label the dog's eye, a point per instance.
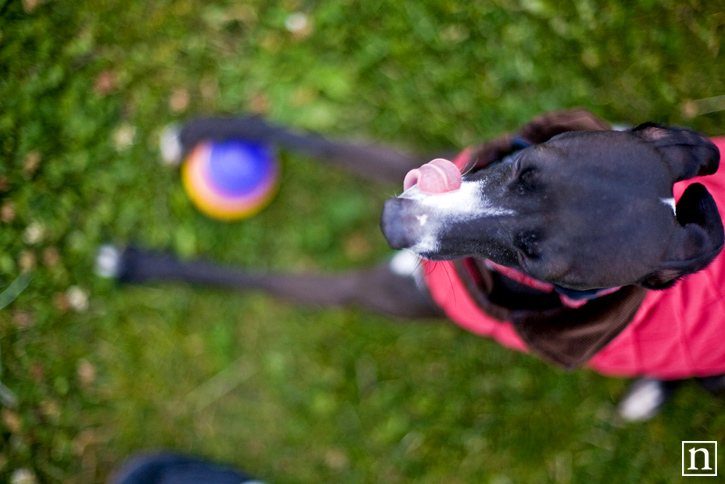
(525, 178)
(528, 243)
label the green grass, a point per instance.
(299, 394)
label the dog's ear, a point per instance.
(539, 130)
(698, 240)
(689, 154)
(544, 127)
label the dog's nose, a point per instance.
(437, 176)
(395, 225)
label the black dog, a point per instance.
(543, 212)
(550, 239)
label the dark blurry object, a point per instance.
(171, 468)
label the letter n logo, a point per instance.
(699, 458)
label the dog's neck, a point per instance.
(568, 297)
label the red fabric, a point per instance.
(676, 333)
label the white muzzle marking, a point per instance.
(438, 211)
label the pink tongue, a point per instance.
(437, 176)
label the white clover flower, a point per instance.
(77, 298)
(34, 233)
(23, 476)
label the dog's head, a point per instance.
(583, 210)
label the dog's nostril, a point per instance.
(437, 176)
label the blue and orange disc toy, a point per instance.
(231, 179)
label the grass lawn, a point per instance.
(304, 395)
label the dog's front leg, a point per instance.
(381, 289)
(371, 161)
